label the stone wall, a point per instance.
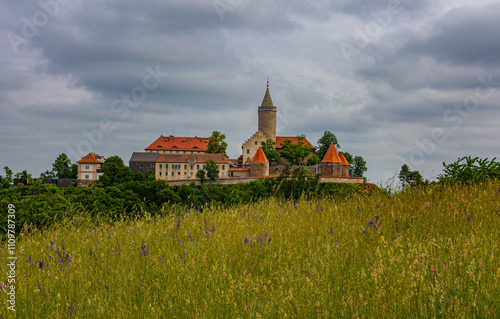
(343, 179)
(277, 169)
(331, 169)
(259, 169)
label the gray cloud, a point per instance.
(382, 104)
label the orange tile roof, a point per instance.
(280, 139)
(260, 157)
(331, 155)
(200, 158)
(92, 158)
(343, 159)
(173, 143)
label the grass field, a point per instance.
(422, 253)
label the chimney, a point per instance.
(189, 139)
(170, 138)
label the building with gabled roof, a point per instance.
(185, 166)
(143, 162)
(178, 145)
(89, 167)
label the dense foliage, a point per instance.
(470, 170)
(130, 195)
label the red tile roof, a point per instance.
(331, 155)
(173, 143)
(260, 157)
(199, 158)
(343, 159)
(280, 139)
(92, 158)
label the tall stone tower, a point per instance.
(267, 116)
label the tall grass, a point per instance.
(424, 252)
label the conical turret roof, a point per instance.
(267, 102)
(343, 159)
(260, 157)
(331, 155)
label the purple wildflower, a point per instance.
(40, 287)
(213, 228)
(40, 264)
(30, 260)
(246, 240)
(359, 209)
(269, 240)
(296, 207)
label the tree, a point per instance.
(313, 159)
(7, 180)
(212, 170)
(48, 174)
(63, 168)
(149, 176)
(409, 178)
(358, 166)
(324, 143)
(470, 170)
(216, 143)
(294, 153)
(25, 177)
(269, 148)
(200, 174)
(111, 170)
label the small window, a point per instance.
(203, 166)
(197, 166)
(177, 152)
(87, 167)
(140, 166)
(255, 142)
(160, 173)
(185, 167)
(223, 166)
(166, 166)
(160, 168)
(87, 177)
(248, 151)
(191, 166)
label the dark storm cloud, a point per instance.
(464, 36)
(393, 92)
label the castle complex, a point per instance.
(178, 159)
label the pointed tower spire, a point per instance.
(331, 155)
(267, 102)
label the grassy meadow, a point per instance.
(422, 253)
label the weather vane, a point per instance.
(268, 83)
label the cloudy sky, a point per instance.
(406, 81)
